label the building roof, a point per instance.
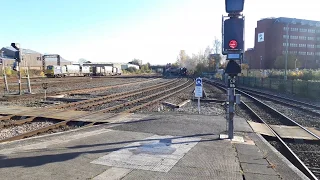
(295, 21)
(24, 51)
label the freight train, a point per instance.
(78, 70)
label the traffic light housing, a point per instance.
(17, 56)
(234, 6)
(233, 34)
(17, 53)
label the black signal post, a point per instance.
(18, 58)
(233, 47)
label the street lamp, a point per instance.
(287, 44)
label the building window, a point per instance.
(310, 38)
(310, 53)
(294, 37)
(302, 45)
(293, 52)
(284, 52)
(317, 46)
(303, 30)
(293, 45)
(302, 37)
(317, 53)
(285, 44)
(294, 29)
(285, 36)
(311, 31)
(285, 28)
(310, 45)
(302, 53)
(318, 31)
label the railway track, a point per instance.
(165, 90)
(75, 91)
(311, 108)
(306, 161)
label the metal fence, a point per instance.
(301, 88)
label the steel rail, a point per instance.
(273, 98)
(115, 97)
(291, 155)
(281, 97)
(64, 123)
(118, 96)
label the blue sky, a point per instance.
(120, 30)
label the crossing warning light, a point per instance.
(233, 44)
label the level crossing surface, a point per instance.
(147, 146)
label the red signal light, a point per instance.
(233, 44)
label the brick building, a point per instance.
(30, 58)
(271, 41)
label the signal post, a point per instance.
(18, 58)
(233, 47)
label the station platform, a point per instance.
(148, 146)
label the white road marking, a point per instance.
(113, 173)
(150, 154)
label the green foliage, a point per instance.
(8, 71)
(136, 62)
(291, 63)
(131, 69)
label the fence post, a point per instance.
(308, 87)
(269, 83)
(255, 80)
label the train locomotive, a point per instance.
(78, 70)
(176, 71)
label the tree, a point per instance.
(136, 62)
(216, 46)
(292, 62)
(244, 66)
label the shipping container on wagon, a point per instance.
(108, 70)
(85, 70)
(96, 71)
(73, 69)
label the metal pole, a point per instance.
(286, 60)
(260, 62)
(45, 95)
(28, 80)
(199, 105)
(231, 107)
(19, 69)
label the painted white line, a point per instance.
(113, 173)
(156, 153)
